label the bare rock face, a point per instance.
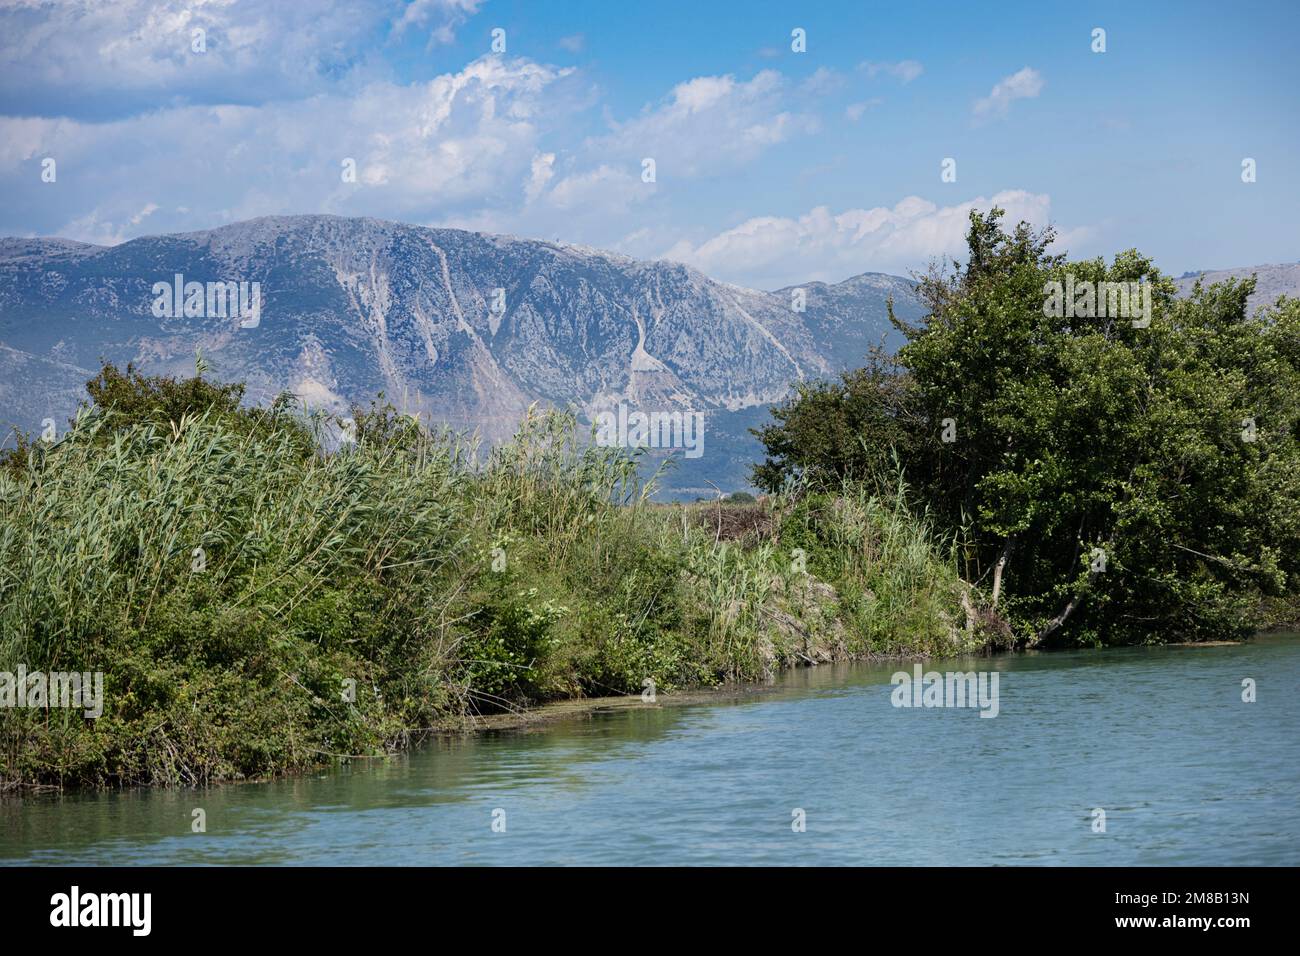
(465, 328)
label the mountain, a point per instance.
(833, 312)
(1271, 281)
(465, 328)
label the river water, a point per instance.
(1159, 739)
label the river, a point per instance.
(1159, 739)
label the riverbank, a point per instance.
(1187, 772)
(257, 606)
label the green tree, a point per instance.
(831, 431)
(1112, 480)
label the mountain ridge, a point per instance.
(463, 327)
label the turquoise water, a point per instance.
(1159, 738)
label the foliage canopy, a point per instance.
(1110, 481)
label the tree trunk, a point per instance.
(1055, 623)
(1000, 567)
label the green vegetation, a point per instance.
(262, 598)
(1107, 482)
(260, 604)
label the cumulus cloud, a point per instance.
(96, 60)
(708, 125)
(1023, 84)
(705, 126)
(441, 17)
(469, 137)
(602, 190)
(771, 251)
(489, 146)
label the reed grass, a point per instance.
(345, 602)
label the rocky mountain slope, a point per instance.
(465, 328)
(1271, 281)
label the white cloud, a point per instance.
(573, 44)
(1024, 84)
(148, 210)
(905, 71)
(708, 125)
(110, 58)
(705, 126)
(467, 138)
(543, 171)
(855, 111)
(441, 17)
(771, 251)
(823, 81)
(605, 189)
(490, 146)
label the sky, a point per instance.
(789, 142)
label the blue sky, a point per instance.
(771, 166)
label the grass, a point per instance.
(259, 605)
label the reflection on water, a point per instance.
(1160, 738)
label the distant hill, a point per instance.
(1271, 281)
